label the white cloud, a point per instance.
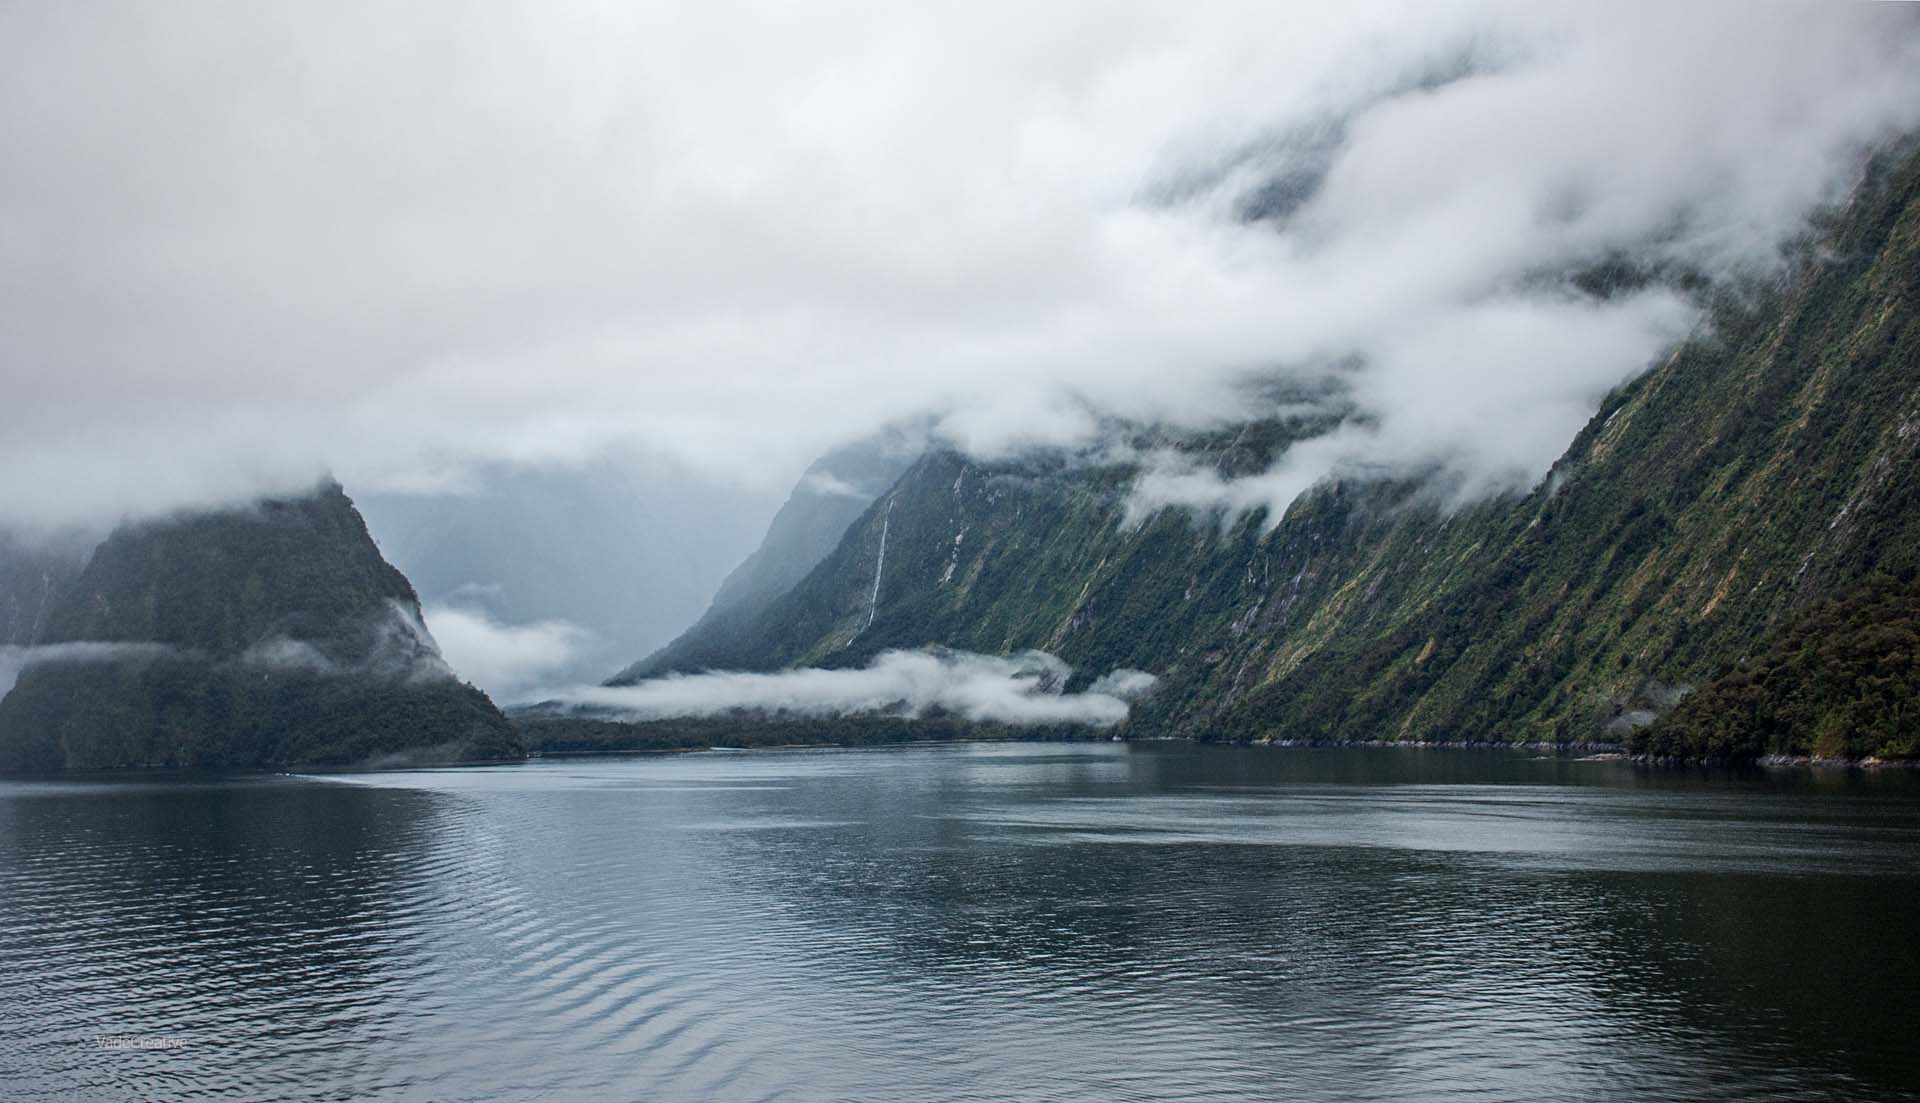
(1127, 685)
(1023, 689)
(829, 485)
(503, 659)
(285, 653)
(244, 243)
(398, 647)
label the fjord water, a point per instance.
(1039, 921)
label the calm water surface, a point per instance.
(1036, 922)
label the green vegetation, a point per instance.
(283, 638)
(171, 711)
(298, 568)
(1769, 464)
(1840, 680)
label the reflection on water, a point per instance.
(981, 922)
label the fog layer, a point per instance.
(1023, 689)
(240, 243)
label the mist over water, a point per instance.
(1022, 689)
(1032, 922)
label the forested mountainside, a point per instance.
(1841, 675)
(1764, 467)
(270, 634)
(830, 497)
(34, 575)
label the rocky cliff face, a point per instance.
(1764, 466)
(267, 635)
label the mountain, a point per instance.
(1840, 677)
(1766, 467)
(626, 550)
(830, 497)
(34, 574)
(267, 635)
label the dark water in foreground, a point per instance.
(1034, 921)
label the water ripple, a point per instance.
(1014, 922)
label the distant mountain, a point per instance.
(628, 551)
(830, 496)
(1767, 466)
(266, 635)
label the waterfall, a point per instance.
(880, 564)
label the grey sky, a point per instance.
(240, 243)
(530, 575)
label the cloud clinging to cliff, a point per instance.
(245, 242)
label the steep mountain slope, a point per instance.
(264, 635)
(1840, 676)
(829, 498)
(1765, 465)
(34, 575)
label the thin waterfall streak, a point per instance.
(880, 564)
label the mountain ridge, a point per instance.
(1764, 465)
(829, 497)
(269, 634)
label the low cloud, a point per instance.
(504, 659)
(833, 486)
(1125, 684)
(1024, 689)
(284, 653)
(13, 660)
(396, 646)
(411, 241)
(1538, 371)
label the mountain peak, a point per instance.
(261, 634)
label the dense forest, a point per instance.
(273, 634)
(1840, 680)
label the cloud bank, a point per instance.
(1024, 689)
(503, 659)
(395, 646)
(13, 659)
(244, 242)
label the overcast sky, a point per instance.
(241, 243)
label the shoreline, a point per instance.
(1581, 751)
(1591, 751)
(1600, 751)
